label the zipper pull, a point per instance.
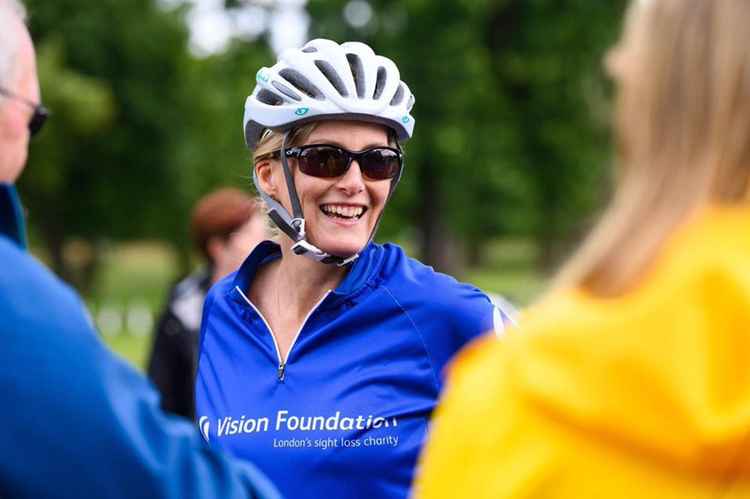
(282, 371)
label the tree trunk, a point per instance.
(438, 247)
(475, 255)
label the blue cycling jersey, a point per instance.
(346, 414)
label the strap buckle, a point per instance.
(298, 224)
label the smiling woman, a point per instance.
(342, 198)
(324, 324)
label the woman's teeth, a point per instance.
(342, 211)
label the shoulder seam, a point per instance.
(435, 377)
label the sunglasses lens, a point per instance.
(381, 164)
(324, 161)
(37, 120)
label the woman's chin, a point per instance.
(343, 249)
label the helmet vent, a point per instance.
(358, 72)
(411, 103)
(332, 76)
(309, 50)
(267, 97)
(379, 83)
(301, 83)
(286, 90)
(398, 96)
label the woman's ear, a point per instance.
(266, 178)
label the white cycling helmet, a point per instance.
(326, 80)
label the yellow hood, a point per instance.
(665, 368)
(646, 395)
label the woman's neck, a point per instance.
(300, 282)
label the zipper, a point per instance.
(281, 370)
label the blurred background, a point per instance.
(506, 171)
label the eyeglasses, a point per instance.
(39, 115)
(329, 161)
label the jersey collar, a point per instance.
(363, 268)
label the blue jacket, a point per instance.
(347, 413)
(77, 422)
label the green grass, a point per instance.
(139, 275)
(134, 277)
(510, 271)
(136, 272)
(134, 349)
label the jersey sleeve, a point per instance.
(505, 314)
(449, 315)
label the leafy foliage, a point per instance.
(140, 130)
(510, 139)
(507, 141)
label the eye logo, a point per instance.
(203, 425)
(405, 120)
(301, 111)
(261, 76)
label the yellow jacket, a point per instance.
(643, 396)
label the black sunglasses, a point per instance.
(329, 161)
(39, 115)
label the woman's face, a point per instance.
(340, 213)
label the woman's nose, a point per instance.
(352, 181)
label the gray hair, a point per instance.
(11, 11)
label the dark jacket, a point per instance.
(174, 355)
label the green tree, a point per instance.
(506, 141)
(141, 128)
(84, 106)
(547, 58)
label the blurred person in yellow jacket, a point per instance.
(631, 378)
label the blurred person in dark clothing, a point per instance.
(226, 225)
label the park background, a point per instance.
(508, 168)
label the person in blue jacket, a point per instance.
(322, 357)
(76, 421)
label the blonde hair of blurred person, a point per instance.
(630, 378)
(682, 128)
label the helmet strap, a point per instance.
(298, 220)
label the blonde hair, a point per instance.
(682, 127)
(270, 141)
